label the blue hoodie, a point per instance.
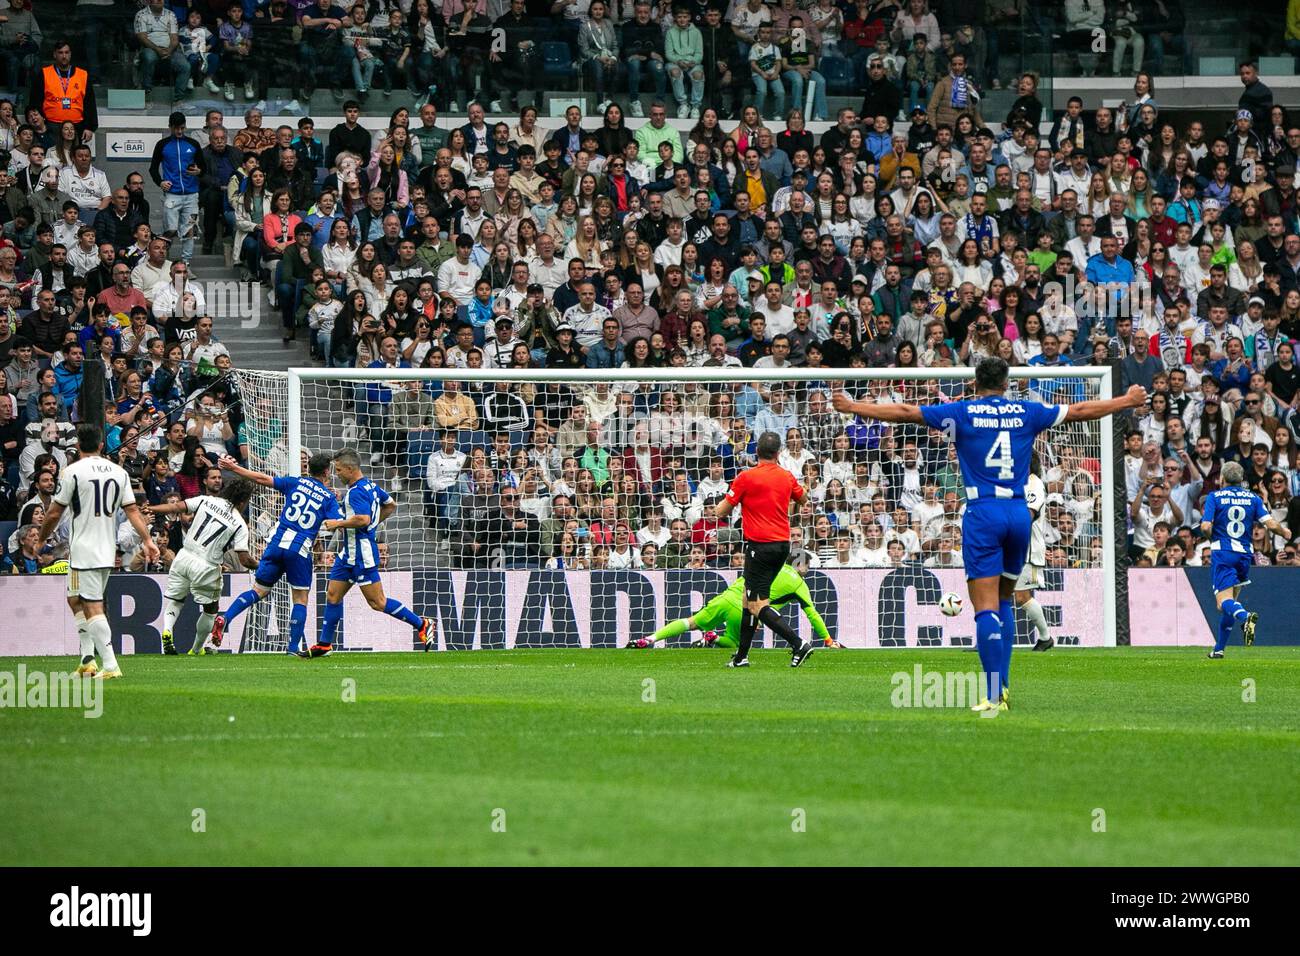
(67, 383)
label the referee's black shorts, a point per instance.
(763, 562)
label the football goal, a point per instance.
(548, 507)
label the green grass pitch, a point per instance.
(562, 757)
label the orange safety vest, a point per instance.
(64, 103)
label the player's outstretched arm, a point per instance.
(1272, 524)
(892, 412)
(1135, 397)
(134, 515)
(246, 560)
(226, 463)
(171, 508)
(818, 624)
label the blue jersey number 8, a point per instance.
(301, 511)
(1236, 522)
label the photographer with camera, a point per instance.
(209, 421)
(369, 337)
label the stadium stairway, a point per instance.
(243, 319)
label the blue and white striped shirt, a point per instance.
(364, 497)
(307, 503)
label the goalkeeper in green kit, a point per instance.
(719, 619)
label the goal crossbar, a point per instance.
(681, 375)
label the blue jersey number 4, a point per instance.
(999, 457)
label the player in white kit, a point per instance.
(95, 489)
(1031, 575)
(217, 527)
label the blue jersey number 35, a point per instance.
(301, 511)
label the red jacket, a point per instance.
(863, 33)
(631, 466)
(1164, 231)
(705, 534)
(673, 326)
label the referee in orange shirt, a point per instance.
(764, 493)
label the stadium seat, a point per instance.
(467, 440)
(557, 61)
(1276, 66)
(1218, 66)
(419, 446)
(839, 75)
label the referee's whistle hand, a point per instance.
(1137, 396)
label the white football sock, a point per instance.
(103, 638)
(87, 645)
(202, 628)
(1037, 619)
(171, 611)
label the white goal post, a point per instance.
(324, 411)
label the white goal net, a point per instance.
(574, 508)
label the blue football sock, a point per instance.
(988, 642)
(1008, 615)
(1225, 630)
(395, 608)
(332, 618)
(240, 604)
(1233, 608)
(297, 626)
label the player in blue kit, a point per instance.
(365, 507)
(1229, 517)
(309, 508)
(995, 439)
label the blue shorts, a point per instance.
(995, 538)
(1229, 569)
(353, 573)
(277, 562)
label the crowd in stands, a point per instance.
(86, 284)
(1167, 250)
(719, 51)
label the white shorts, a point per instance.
(89, 585)
(1031, 578)
(191, 575)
